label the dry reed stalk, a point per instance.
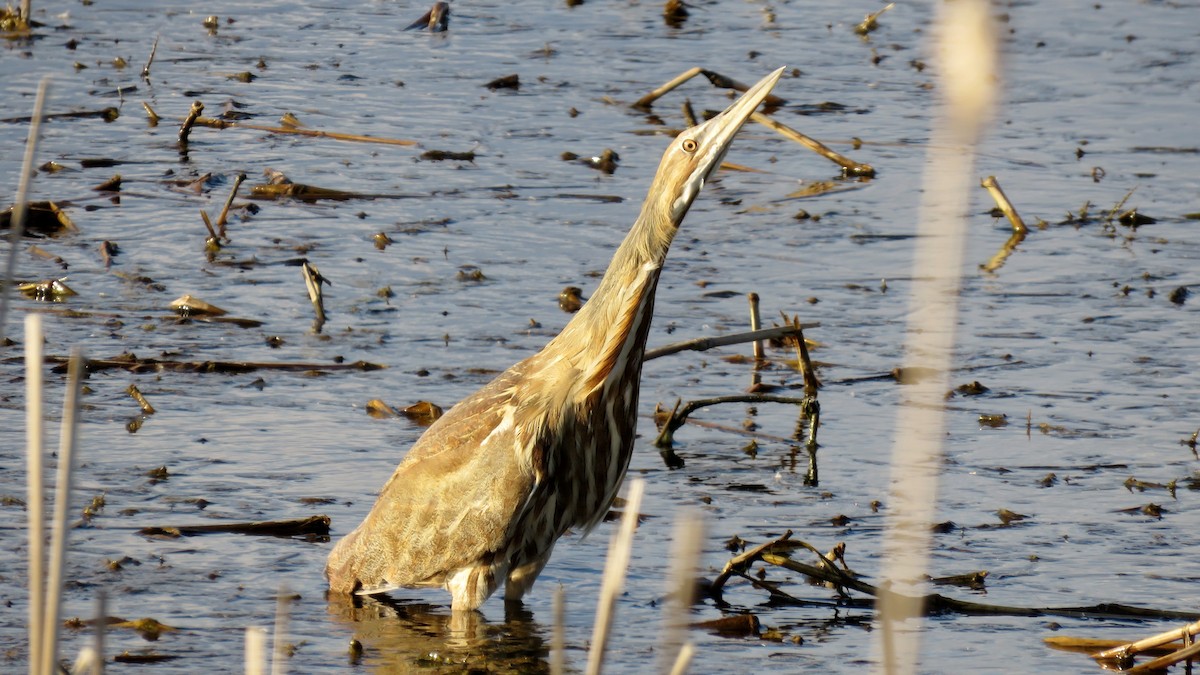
(615, 568)
(649, 99)
(756, 324)
(20, 206)
(279, 640)
(701, 344)
(684, 660)
(558, 641)
(62, 503)
(35, 498)
(1132, 648)
(256, 650)
(968, 55)
(850, 166)
(993, 187)
(314, 133)
(681, 585)
(224, 217)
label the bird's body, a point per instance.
(485, 493)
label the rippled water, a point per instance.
(1076, 332)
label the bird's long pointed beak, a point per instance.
(712, 139)
(726, 125)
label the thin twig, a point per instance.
(223, 218)
(756, 324)
(649, 99)
(614, 575)
(315, 133)
(62, 503)
(679, 416)
(35, 498)
(848, 165)
(1133, 648)
(149, 61)
(701, 344)
(188, 122)
(17, 225)
(993, 187)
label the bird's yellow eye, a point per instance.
(689, 145)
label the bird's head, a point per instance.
(697, 152)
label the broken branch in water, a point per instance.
(316, 133)
(649, 99)
(756, 324)
(149, 61)
(717, 80)
(993, 188)
(275, 528)
(134, 364)
(701, 344)
(224, 217)
(313, 281)
(680, 414)
(185, 129)
(775, 553)
(851, 167)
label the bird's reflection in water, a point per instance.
(401, 637)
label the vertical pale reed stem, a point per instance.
(17, 228)
(35, 499)
(62, 503)
(279, 642)
(256, 650)
(558, 640)
(614, 576)
(967, 65)
(685, 559)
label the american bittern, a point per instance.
(489, 488)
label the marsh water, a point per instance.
(1082, 337)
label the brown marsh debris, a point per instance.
(318, 525)
(134, 364)
(437, 19)
(507, 82)
(42, 219)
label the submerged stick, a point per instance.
(702, 344)
(1128, 650)
(993, 188)
(614, 575)
(313, 281)
(35, 498)
(223, 218)
(62, 502)
(649, 99)
(316, 133)
(188, 122)
(679, 415)
(20, 207)
(851, 167)
(755, 325)
(146, 68)
(720, 81)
